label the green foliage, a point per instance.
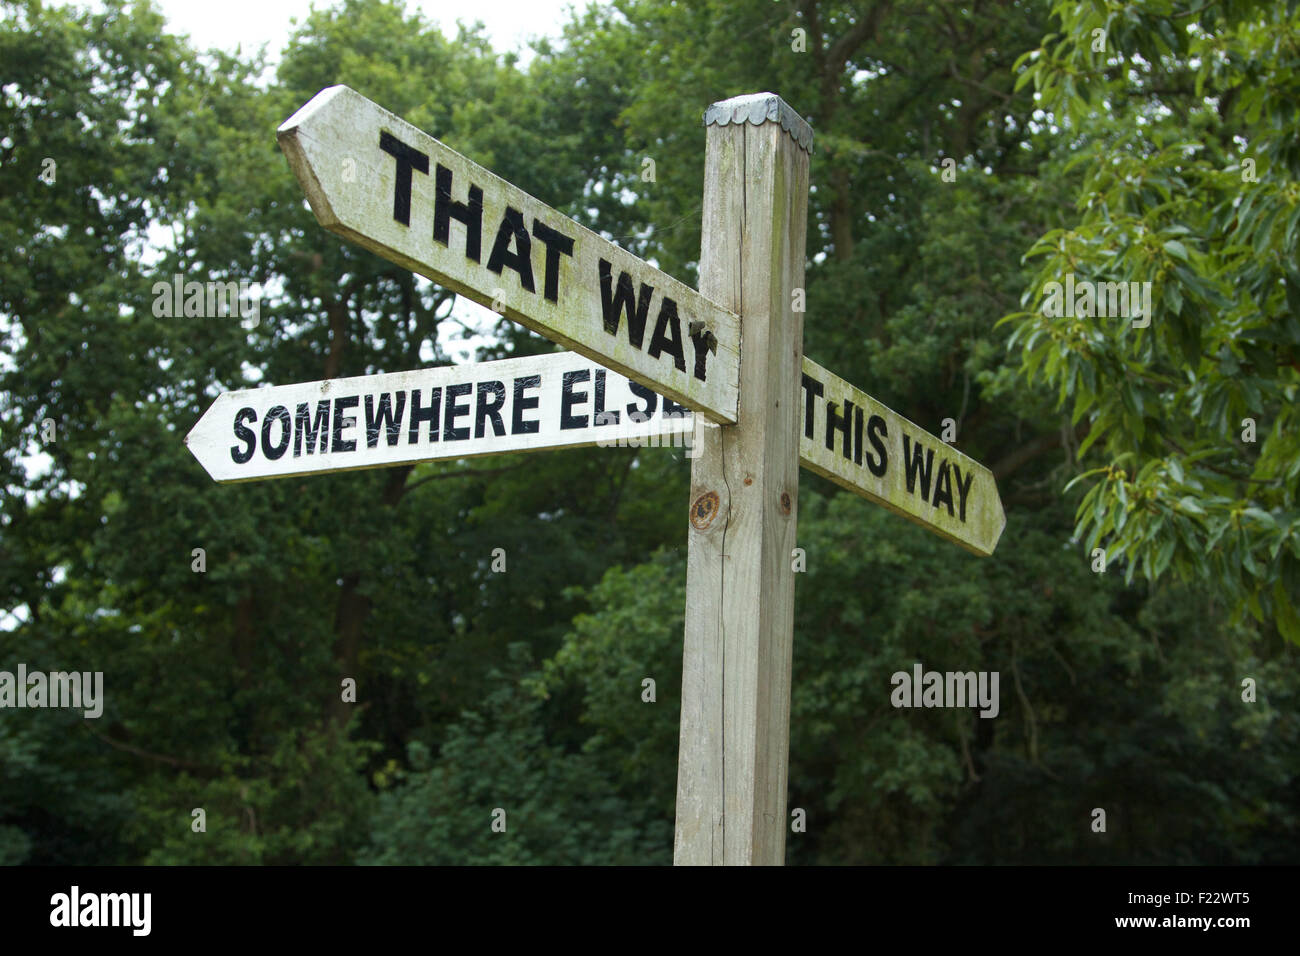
(559, 807)
(307, 804)
(634, 633)
(1180, 135)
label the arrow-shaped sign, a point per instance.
(858, 443)
(558, 400)
(375, 179)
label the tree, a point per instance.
(223, 685)
(1176, 122)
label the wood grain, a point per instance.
(734, 743)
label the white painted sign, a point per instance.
(375, 179)
(858, 443)
(558, 400)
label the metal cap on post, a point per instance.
(735, 719)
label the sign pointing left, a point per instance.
(375, 179)
(557, 400)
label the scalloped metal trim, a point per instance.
(759, 108)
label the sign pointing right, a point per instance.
(858, 443)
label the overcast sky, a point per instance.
(509, 24)
(229, 23)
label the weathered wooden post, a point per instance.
(735, 721)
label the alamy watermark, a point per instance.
(80, 691)
(210, 300)
(633, 431)
(948, 689)
(75, 909)
(1084, 299)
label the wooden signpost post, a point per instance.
(735, 723)
(380, 182)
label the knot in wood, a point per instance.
(703, 510)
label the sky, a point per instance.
(229, 23)
(509, 24)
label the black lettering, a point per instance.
(428, 414)
(673, 410)
(612, 303)
(408, 158)
(446, 209)
(492, 410)
(912, 462)
(557, 244)
(599, 415)
(843, 427)
(303, 425)
(672, 344)
(521, 404)
(651, 399)
(943, 487)
(244, 434)
(277, 414)
(876, 432)
(704, 342)
(962, 488)
(341, 405)
(521, 260)
(857, 436)
(569, 398)
(384, 419)
(811, 389)
(454, 411)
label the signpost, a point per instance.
(377, 180)
(558, 400)
(380, 182)
(858, 443)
